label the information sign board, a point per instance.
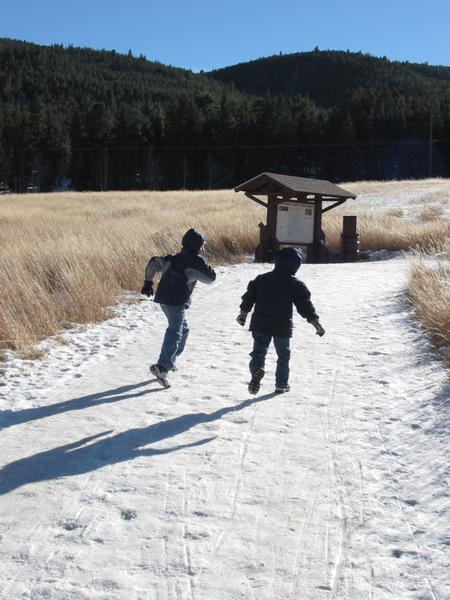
(295, 223)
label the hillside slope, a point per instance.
(99, 120)
(327, 76)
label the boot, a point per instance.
(254, 385)
(161, 375)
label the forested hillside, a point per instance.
(102, 120)
(328, 76)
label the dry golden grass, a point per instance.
(400, 186)
(428, 291)
(431, 213)
(385, 232)
(426, 230)
(394, 212)
(442, 196)
(67, 257)
(423, 199)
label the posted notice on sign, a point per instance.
(295, 223)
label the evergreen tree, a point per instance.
(105, 120)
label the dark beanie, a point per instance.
(289, 259)
(192, 240)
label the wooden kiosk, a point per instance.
(294, 212)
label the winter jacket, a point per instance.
(180, 272)
(274, 294)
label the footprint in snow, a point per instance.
(327, 588)
(397, 553)
(70, 524)
(411, 502)
(196, 535)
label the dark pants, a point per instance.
(261, 343)
(175, 336)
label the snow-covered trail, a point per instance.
(111, 487)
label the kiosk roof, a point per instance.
(269, 183)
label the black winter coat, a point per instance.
(180, 272)
(273, 295)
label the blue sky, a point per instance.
(201, 34)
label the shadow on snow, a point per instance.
(8, 418)
(99, 450)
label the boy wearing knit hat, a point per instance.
(180, 273)
(273, 295)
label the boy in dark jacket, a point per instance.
(180, 273)
(273, 295)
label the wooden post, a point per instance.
(272, 214)
(317, 228)
(271, 229)
(349, 226)
(349, 240)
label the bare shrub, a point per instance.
(428, 290)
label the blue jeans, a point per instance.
(175, 336)
(261, 343)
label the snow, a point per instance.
(409, 197)
(111, 487)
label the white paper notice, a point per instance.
(295, 223)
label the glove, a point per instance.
(241, 318)
(148, 288)
(318, 327)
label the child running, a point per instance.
(180, 272)
(273, 294)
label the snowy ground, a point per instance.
(409, 197)
(112, 487)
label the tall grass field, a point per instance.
(67, 257)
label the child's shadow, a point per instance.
(93, 452)
(8, 418)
